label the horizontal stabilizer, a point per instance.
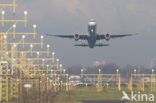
(86, 45)
(83, 45)
(102, 45)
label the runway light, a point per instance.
(60, 65)
(27, 85)
(25, 12)
(42, 36)
(57, 60)
(23, 36)
(134, 70)
(31, 45)
(81, 70)
(99, 70)
(48, 45)
(14, 26)
(3, 12)
(38, 53)
(5, 36)
(53, 53)
(64, 70)
(43, 60)
(34, 26)
(14, 45)
(117, 70)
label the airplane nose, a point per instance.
(92, 23)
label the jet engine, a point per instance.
(76, 37)
(107, 37)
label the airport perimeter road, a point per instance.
(113, 101)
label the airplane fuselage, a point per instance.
(92, 36)
(92, 33)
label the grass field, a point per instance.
(91, 93)
(81, 93)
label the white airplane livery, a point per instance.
(93, 36)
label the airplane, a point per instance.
(92, 37)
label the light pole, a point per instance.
(152, 71)
(152, 81)
(3, 12)
(48, 47)
(119, 81)
(99, 81)
(53, 57)
(14, 30)
(57, 63)
(135, 72)
(60, 68)
(34, 27)
(31, 47)
(82, 72)
(42, 41)
(25, 16)
(23, 37)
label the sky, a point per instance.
(67, 17)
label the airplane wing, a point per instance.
(62, 36)
(107, 36)
(120, 36)
(83, 37)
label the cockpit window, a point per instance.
(92, 20)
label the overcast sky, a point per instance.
(112, 16)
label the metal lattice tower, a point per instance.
(22, 64)
(100, 77)
(140, 79)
